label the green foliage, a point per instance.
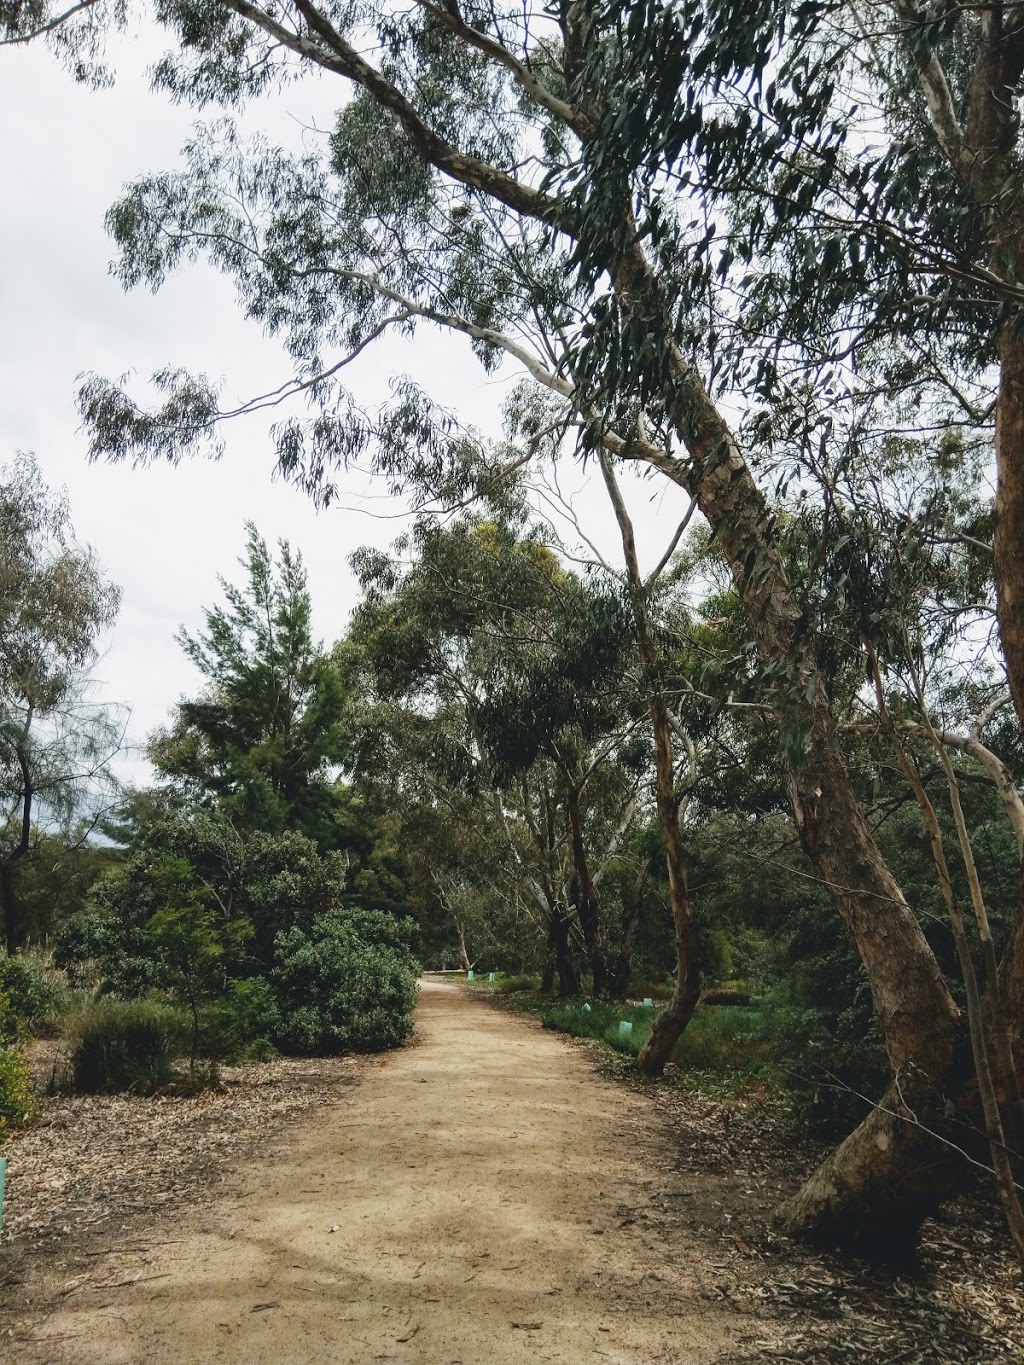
(245, 888)
(192, 949)
(600, 1020)
(515, 985)
(773, 924)
(261, 740)
(726, 1039)
(13, 1028)
(29, 987)
(346, 984)
(52, 882)
(119, 1045)
(18, 1103)
(239, 1023)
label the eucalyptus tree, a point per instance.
(56, 743)
(665, 214)
(507, 655)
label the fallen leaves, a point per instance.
(93, 1159)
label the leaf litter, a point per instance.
(961, 1299)
(96, 1161)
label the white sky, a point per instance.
(165, 534)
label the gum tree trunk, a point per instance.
(892, 1171)
(673, 1019)
(889, 1172)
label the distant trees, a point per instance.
(56, 744)
(507, 686)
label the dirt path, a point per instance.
(470, 1202)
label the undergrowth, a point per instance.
(726, 1049)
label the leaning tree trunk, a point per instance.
(671, 1022)
(894, 1169)
(880, 1182)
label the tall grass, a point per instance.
(126, 1045)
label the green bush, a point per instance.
(12, 1025)
(29, 985)
(120, 1045)
(241, 1023)
(346, 984)
(18, 1103)
(656, 990)
(724, 1038)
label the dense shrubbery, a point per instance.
(347, 983)
(246, 936)
(601, 1020)
(719, 1038)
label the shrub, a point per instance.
(346, 984)
(724, 1038)
(241, 1023)
(12, 1025)
(123, 1045)
(657, 989)
(18, 1104)
(29, 985)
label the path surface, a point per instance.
(469, 1204)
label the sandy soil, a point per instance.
(470, 1202)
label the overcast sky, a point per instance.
(165, 534)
